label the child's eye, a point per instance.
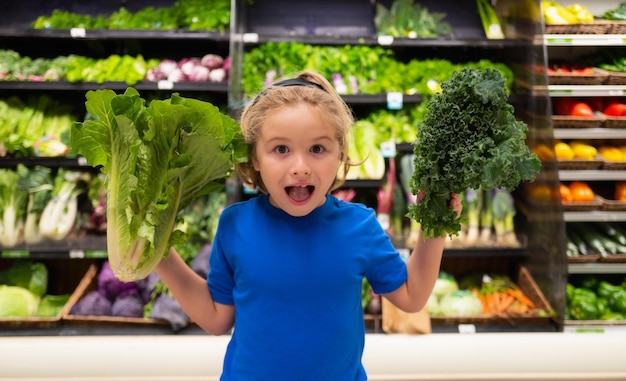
(317, 149)
(281, 150)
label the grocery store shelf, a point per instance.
(382, 40)
(586, 90)
(596, 268)
(584, 39)
(51, 162)
(590, 133)
(594, 216)
(592, 175)
(88, 246)
(594, 326)
(221, 87)
(498, 356)
(104, 34)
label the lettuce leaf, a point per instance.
(157, 160)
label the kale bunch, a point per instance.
(468, 139)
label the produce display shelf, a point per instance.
(593, 216)
(590, 175)
(594, 326)
(585, 90)
(382, 40)
(88, 246)
(103, 34)
(221, 87)
(597, 268)
(589, 133)
(66, 162)
(95, 247)
(584, 39)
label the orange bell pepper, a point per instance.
(566, 194)
(620, 191)
(581, 191)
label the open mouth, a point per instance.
(300, 193)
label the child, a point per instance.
(286, 267)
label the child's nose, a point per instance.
(300, 166)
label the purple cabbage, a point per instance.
(129, 305)
(93, 303)
(146, 286)
(110, 286)
(167, 308)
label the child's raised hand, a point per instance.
(455, 202)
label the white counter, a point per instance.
(484, 356)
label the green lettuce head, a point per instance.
(158, 158)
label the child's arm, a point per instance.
(422, 270)
(192, 293)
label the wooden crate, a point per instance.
(63, 278)
(90, 283)
(527, 284)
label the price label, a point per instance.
(559, 92)
(251, 38)
(95, 254)
(78, 33)
(165, 85)
(388, 149)
(385, 40)
(616, 93)
(82, 161)
(467, 328)
(590, 330)
(77, 254)
(395, 101)
(15, 253)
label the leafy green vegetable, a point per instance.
(207, 15)
(375, 69)
(38, 184)
(32, 276)
(408, 19)
(158, 159)
(460, 303)
(468, 139)
(17, 302)
(12, 208)
(52, 305)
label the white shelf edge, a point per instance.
(596, 268)
(584, 39)
(586, 90)
(590, 133)
(592, 175)
(594, 216)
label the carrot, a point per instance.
(519, 295)
(490, 298)
(506, 300)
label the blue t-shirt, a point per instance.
(296, 284)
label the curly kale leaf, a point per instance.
(469, 139)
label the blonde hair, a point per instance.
(321, 95)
